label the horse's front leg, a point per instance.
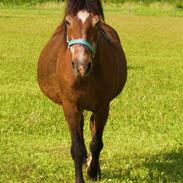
(97, 123)
(75, 121)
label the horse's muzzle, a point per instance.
(82, 70)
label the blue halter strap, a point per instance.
(82, 42)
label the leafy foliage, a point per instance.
(178, 2)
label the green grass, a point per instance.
(127, 8)
(144, 134)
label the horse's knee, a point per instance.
(78, 152)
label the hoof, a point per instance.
(93, 171)
(80, 181)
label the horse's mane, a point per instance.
(92, 6)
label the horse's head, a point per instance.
(82, 36)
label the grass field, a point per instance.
(144, 134)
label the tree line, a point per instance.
(105, 1)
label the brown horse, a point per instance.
(83, 67)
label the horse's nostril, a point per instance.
(81, 69)
(89, 67)
(73, 65)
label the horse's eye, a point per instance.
(97, 24)
(67, 22)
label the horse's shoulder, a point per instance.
(59, 30)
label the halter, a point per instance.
(82, 42)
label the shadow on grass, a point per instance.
(9, 16)
(163, 167)
(135, 67)
(167, 166)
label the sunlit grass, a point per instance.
(144, 134)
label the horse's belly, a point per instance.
(48, 83)
(47, 76)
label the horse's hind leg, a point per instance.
(97, 123)
(78, 150)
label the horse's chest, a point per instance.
(87, 99)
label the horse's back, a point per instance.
(47, 64)
(110, 33)
(116, 66)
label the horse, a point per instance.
(83, 67)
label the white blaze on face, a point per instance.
(79, 52)
(83, 15)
